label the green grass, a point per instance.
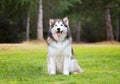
(26, 64)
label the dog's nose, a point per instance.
(58, 29)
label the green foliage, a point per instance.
(65, 5)
(26, 64)
(90, 13)
(13, 19)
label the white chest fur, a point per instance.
(58, 51)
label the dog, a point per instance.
(60, 53)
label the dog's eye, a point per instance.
(55, 25)
(61, 24)
(66, 26)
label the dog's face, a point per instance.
(59, 28)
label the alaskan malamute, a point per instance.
(60, 53)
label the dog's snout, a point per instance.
(58, 29)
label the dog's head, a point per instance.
(59, 28)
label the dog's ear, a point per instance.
(51, 21)
(66, 21)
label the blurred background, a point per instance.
(90, 20)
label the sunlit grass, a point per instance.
(26, 64)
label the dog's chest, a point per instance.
(60, 49)
(60, 53)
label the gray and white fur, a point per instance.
(60, 53)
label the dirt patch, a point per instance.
(37, 42)
(109, 42)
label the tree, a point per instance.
(109, 29)
(89, 11)
(78, 31)
(117, 28)
(15, 15)
(30, 8)
(28, 28)
(12, 18)
(40, 22)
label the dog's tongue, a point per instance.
(58, 34)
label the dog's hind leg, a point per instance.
(75, 68)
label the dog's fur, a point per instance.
(60, 53)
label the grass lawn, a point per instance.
(26, 64)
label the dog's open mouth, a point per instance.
(59, 33)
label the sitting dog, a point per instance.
(60, 53)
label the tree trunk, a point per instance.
(78, 31)
(117, 28)
(109, 30)
(28, 28)
(40, 22)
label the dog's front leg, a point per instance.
(52, 66)
(66, 66)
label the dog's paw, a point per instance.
(66, 73)
(52, 73)
(81, 70)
